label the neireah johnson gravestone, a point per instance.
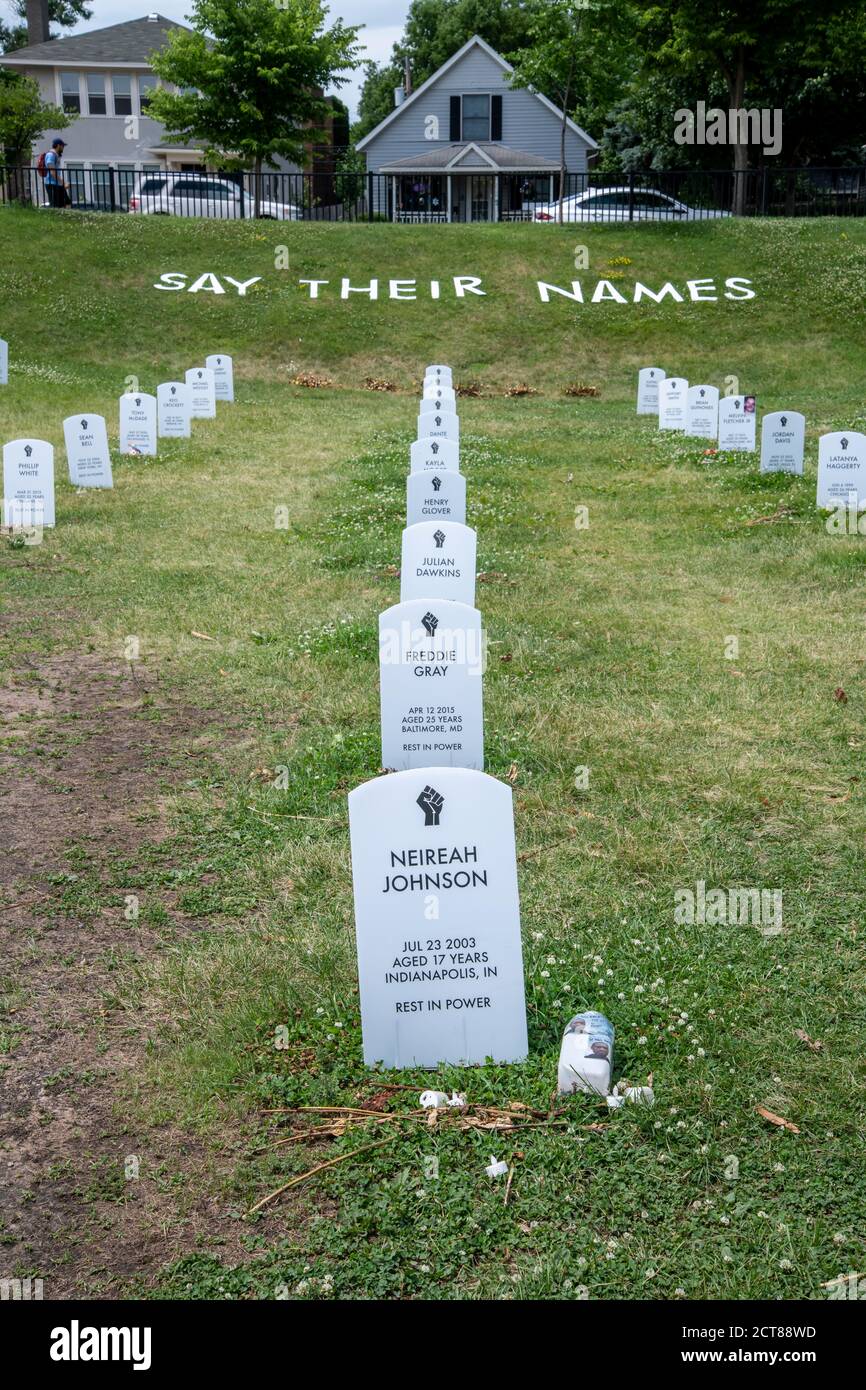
(437, 919)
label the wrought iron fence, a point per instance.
(650, 196)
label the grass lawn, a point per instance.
(235, 987)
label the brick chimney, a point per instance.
(37, 21)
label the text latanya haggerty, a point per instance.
(701, 291)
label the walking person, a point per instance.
(55, 183)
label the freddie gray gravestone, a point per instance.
(87, 451)
(431, 663)
(841, 469)
(4, 362)
(223, 375)
(138, 423)
(673, 399)
(443, 986)
(783, 442)
(702, 414)
(435, 493)
(173, 410)
(28, 483)
(737, 418)
(439, 425)
(434, 453)
(438, 561)
(202, 401)
(648, 379)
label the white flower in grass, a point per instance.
(545, 974)
(641, 1042)
(785, 1264)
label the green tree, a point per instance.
(251, 75)
(62, 13)
(550, 63)
(740, 41)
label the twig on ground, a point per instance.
(311, 1172)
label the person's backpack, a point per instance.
(40, 165)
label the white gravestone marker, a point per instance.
(431, 661)
(702, 414)
(435, 493)
(202, 401)
(439, 425)
(438, 561)
(87, 451)
(841, 469)
(173, 410)
(4, 362)
(783, 442)
(138, 423)
(438, 405)
(28, 483)
(449, 987)
(737, 418)
(648, 379)
(434, 453)
(438, 371)
(223, 376)
(673, 401)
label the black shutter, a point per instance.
(496, 117)
(455, 119)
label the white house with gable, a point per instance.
(466, 146)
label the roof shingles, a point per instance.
(131, 42)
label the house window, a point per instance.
(69, 93)
(476, 117)
(122, 86)
(95, 94)
(146, 89)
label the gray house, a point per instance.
(103, 80)
(469, 147)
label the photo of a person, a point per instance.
(599, 1050)
(577, 1025)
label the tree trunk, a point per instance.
(736, 98)
(562, 138)
(257, 191)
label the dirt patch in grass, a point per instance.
(89, 750)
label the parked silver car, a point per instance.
(622, 205)
(202, 195)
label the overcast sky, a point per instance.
(383, 21)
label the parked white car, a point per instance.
(202, 195)
(622, 205)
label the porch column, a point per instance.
(393, 197)
(449, 197)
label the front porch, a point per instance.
(469, 183)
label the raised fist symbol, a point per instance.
(439, 538)
(430, 623)
(431, 803)
(437, 483)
